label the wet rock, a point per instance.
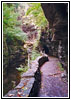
(57, 15)
(52, 84)
(23, 89)
(13, 55)
(29, 73)
(63, 75)
(43, 60)
(28, 83)
(36, 85)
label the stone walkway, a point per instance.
(52, 85)
(23, 89)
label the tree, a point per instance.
(35, 13)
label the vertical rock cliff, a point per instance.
(57, 16)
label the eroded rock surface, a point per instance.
(13, 55)
(57, 16)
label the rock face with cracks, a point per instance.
(57, 16)
(13, 55)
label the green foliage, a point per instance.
(35, 45)
(22, 69)
(9, 16)
(38, 15)
(34, 54)
(21, 36)
(60, 66)
(10, 23)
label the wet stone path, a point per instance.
(52, 85)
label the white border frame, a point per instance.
(68, 47)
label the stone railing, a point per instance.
(30, 81)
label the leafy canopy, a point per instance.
(37, 14)
(10, 23)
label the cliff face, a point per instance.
(13, 55)
(57, 16)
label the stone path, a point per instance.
(23, 89)
(52, 85)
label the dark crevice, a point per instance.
(37, 84)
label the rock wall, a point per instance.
(57, 16)
(47, 46)
(13, 56)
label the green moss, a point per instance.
(37, 15)
(22, 69)
(60, 66)
(34, 54)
